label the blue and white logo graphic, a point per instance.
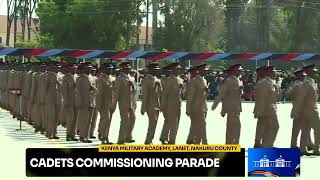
(274, 162)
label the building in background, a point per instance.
(142, 38)
(3, 30)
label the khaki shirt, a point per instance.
(151, 93)
(230, 96)
(172, 92)
(83, 88)
(197, 94)
(125, 91)
(68, 88)
(266, 98)
(307, 102)
(105, 95)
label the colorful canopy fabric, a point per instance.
(156, 55)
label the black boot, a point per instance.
(85, 140)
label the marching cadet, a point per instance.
(83, 102)
(266, 107)
(26, 94)
(105, 101)
(60, 76)
(93, 110)
(42, 81)
(230, 96)
(51, 87)
(164, 137)
(260, 127)
(171, 101)
(35, 98)
(124, 95)
(293, 93)
(151, 92)
(308, 111)
(68, 89)
(196, 107)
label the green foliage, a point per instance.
(93, 24)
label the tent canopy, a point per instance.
(156, 55)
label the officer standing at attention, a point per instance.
(308, 110)
(196, 107)
(266, 107)
(151, 92)
(68, 89)
(230, 96)
(124, 95)
(105, 101)
(83, 90)
(171, 101)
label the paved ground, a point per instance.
(14, 143)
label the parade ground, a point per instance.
(14, 142)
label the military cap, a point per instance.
(166, 69)
(153, 66)
(234, 68)
(107, 65)
(200, 68)
(85, 66)
(269, 69)
(260, 69)
(310, 68)
(174, 66)
(299, 73)
(125, 65)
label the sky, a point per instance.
(3, 11)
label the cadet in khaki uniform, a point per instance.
(83, 90)
(60, 76)
(34, 98)
(257, 90)
(124, 95)
(171, 102)
(51, 87)
(266, 107)
(164, 137)
(293, 93)
(230, 96)
(308, 111)
(26, 95)
(68, 89)
(42, 103)
(151, 92)
(93, 110)
(105, 101)
(197, 104)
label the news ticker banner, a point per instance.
(163, 161)
(274, 162)
(137, 161)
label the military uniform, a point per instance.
(171, 104)
(124, 95)
(266, 109)
(308, 111)
(197, 106)
(230, 96)
(83, 103)
(151, 92)
(69, 115)
(105, 103)
(93, 110)
(293, 93)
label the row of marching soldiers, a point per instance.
(71, 96)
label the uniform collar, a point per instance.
(309, 79)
